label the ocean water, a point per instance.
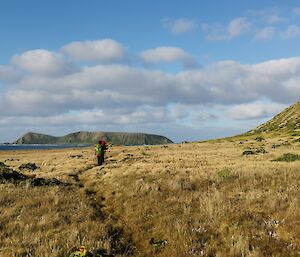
(12, 147)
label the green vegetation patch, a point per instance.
(248, 152)
(259, 139)
(143, 153)
(225, 174)
(288, 157)
(251, 151)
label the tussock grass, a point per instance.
(203, 199)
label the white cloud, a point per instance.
(9, 74)
(105, 50)
(274, 19)
(256, 110)
(296, 11)
(269, 16)
(265, 33)
(235, 28)
(238, 27)
(214, 32)
(180, 26)
(42, 62)
(90, 117)
(168, 54)
(261, 25)
(293, 31)
(279, 69)
(117, 86)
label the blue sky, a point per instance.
(189, 70)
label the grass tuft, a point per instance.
(225, 174)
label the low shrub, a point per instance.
(261, 150)
(248, 152)
(259, 139)
(288, 157)
(254, 151)
(28, 166)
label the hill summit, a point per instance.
(286, 121)
(84, 137)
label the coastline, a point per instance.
(16, 147)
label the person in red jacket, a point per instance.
(100, 151)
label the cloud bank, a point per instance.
(168, 55)
(42, 62)
(104, 50)
(46, 88)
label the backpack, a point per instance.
(99, 149)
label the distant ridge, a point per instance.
(286, 121)
(84, 137)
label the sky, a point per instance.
(188, 70)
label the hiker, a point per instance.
(83, 252)
(100, 151)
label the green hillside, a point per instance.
(84, 137)
(286, 121)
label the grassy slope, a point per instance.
(205, 199)
(288, 121)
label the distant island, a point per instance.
(85, 137)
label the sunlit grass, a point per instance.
(202, 199)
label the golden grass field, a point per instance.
(201, 199)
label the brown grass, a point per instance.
(204, 199)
